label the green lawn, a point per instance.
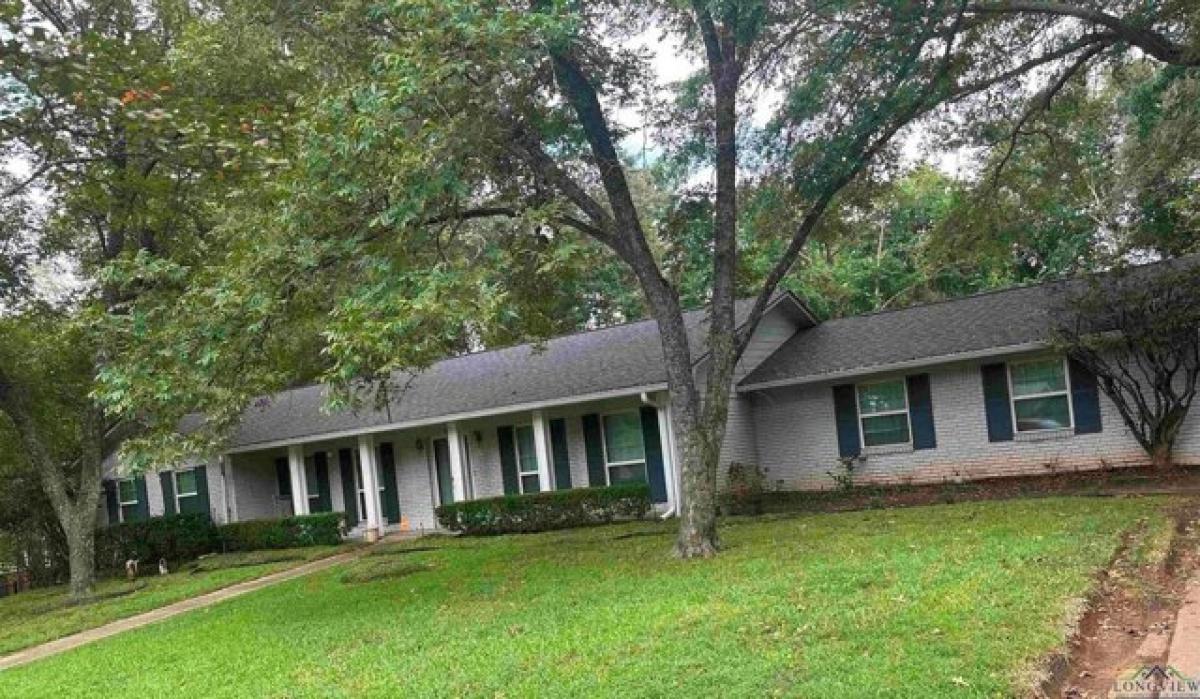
(934, 601)
(45, 614)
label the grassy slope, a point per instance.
(946, 600)
(43, 615)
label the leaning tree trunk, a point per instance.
(80, 529)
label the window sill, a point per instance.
(1044, 435)
(887, 449)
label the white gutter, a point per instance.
(896, 366)
(450, 417)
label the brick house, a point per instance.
(954, 390)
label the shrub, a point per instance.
(324, 529)
(743, 489)
(176, 538)
(537, 512)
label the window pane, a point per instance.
(627, 473)
(185, 482)
(623, 438)
(881, 397)
(886, 429)
(127, 491)
(1050, 413)
(526, 455)
(1038, 377)
(529, 484)
(310, 476)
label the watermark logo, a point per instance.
(1155, 682)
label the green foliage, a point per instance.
(176, 538)
(323, 529)
(744, 489)
(556, 509)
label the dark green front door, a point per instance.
(441, 463)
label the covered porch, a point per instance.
(392, 477)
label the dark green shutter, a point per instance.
(655, 474)
(283, 476)
(349, 492)
(920, 411)
(110, 500)
(143, 504)
(508, 460)
(1085, 399)
(995, 402)
(391, 494)
(561, 454)
(324, 501)
(167, 480)
(202, 504)
(846, 416)
(593, 444)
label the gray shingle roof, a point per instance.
(609, 359)
(986, 321)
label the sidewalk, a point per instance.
(1185, 643)
(206, 600)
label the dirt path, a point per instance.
(1142, 616)
(66, 643)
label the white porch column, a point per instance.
(541, 447)
(666, 437)
(457, 470)
(370, 481)
(299, 479)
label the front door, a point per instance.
(441, 463)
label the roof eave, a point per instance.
(998, 351)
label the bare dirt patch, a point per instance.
(1129, 621)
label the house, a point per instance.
(953, 390)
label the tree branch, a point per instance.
(1153, 43)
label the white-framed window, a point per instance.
(883, 413)
(527, 465)
(127, 497)
(186, 484)
(624, 448)
(310, 478)
(1040, 394)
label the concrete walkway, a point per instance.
(155, 615)
(1185, 643)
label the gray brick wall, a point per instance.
(797, 439)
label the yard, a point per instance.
(939, 600)
(42, 615)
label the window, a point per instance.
(127, 499)
(883, 413)
(527, 465)
(1041, 395)
(127, 492)
(624, 448)
(185, 483)
(310, 478)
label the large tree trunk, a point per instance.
(81, 548)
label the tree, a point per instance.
(1138, 332)
(474, 111)
(45, 384)
(129, 155)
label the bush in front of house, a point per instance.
(744, 488)
(538, 512)
(176, 538)
(322, 529)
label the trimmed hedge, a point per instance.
(537, 512)
(323, 529)
(175, 538)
